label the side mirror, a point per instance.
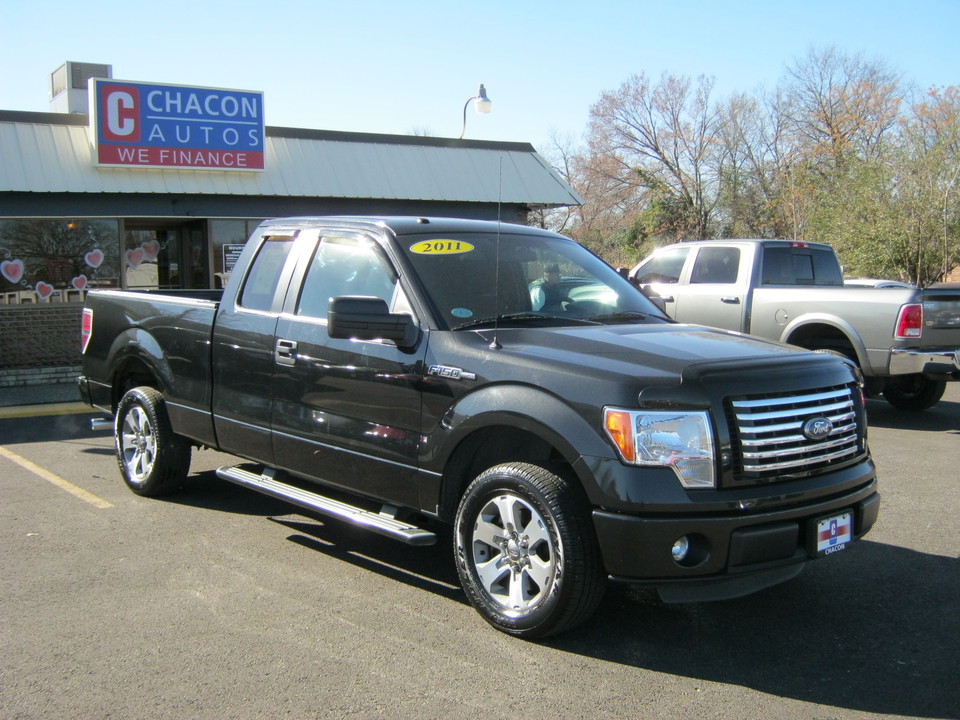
(653, 296)
(369, 318)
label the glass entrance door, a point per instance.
(165, 255)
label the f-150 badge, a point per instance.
(453, 373)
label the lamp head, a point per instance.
(483, 104)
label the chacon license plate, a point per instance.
(834, 533)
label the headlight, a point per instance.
(681, 441)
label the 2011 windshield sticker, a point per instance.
(441, 247)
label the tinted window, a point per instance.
(716, 265)
(664, 267)
(260, 286)
(800, 266)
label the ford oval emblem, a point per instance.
(818, 428)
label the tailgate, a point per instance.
(941, 316)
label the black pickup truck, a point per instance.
(409, 373)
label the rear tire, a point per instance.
(153, 460)
(527, 556)
(913, 393)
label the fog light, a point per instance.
(680, 549)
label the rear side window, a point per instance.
(716, 265)
(260, 286)
(664, 267)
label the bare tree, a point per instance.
(660, 139)
(927, 178)
(561, 155)
(841, 105)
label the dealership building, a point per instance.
(140, 185)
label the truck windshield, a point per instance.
(470, 277)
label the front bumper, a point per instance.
(735, 553)
(943, 362)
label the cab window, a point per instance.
(260, 285)
(664, 267)
(715, 265)
(345, 266)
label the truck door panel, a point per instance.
(243, 355)
(346, 412)
(714, 295)
(661, 275)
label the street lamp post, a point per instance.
(483, 105)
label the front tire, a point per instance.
(153, 459)
(526, 552)
(913, 393)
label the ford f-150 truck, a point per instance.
(406, 373)
(906, 341)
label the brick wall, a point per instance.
(43, 376)
(44, 335)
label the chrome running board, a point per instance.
(384, 522)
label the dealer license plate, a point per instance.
(834, 533)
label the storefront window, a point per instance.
(228, 238)
(50, 259)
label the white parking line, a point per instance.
(55, 479)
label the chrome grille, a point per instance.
(769, 433)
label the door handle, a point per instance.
(285, 352)
(667, 298)
(730, 300)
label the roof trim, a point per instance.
(48, 118)
(44, 118)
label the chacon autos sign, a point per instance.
(176, 126)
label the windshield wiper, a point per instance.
(524, 316)
(628, 316)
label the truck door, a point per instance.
(659, 275)
(346, 412)
(243, 348)
(715, 294)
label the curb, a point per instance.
(27, 411)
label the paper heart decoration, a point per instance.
(94, 258)
(151, 249)
(12, 270)
(43, 290)
(135, 257)
(79, 282)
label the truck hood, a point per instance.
(667, 352)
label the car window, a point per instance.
(664, 267)
(345, 266)
(800, 266)
(260, 285)
(716, 265)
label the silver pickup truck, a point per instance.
(905, 340)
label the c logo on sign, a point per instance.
(120, 105)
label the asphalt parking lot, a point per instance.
(220, 603)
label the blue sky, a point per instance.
(405, 67)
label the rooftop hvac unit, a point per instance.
(68, 85)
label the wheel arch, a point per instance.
(826, 333)
(137, 360)
(538, 428)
